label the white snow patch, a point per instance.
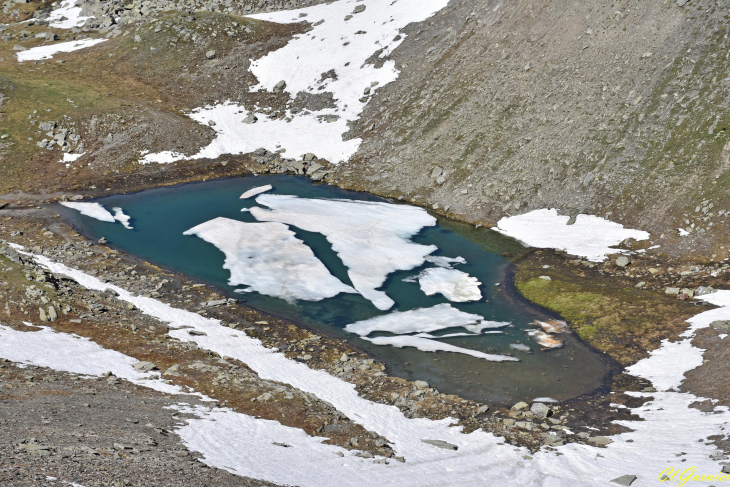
(69, 10)
(121, 217)
(71, 157)
(336, 44)
(92, 210)
(456, 286)
(270, 259)
(426, 320)
(72, 353)
(258, 190)
(47, 51)
(590, 236)
(683, 232)
(425, 343)
(482, 458)
(371, 238)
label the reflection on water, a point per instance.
(160, 216)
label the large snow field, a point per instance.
(670, 430)
(340, 41)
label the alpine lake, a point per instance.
(160, 216)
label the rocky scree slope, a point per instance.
(616, 109)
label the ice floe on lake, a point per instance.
(426, 343)
(269, 259)
(92, 210)
(336, 56)
(47, 51)
(427, 320)
(121, 217)
(669, 425)
(455, 285)
(590, 236)
(371, 238)
(257, 190)
(446, 262)
(98, 212)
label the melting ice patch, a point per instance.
(47, 51)
(590, 236)
(122, 218)
(258, 190)
(456, 286)
(92, 210)
(371, 238)
(427, 320)
(446, 262)
(425, 343)
(335, 56)
(269, 259)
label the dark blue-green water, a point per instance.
(160, 216)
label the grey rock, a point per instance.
(623, 261)
(46, 126)
(421, 384)
(600, 440)
(52, 315)
(441, 444)
(721, 325)
(17, 47)
(358, 9)
(702, 290)
(280, 86)
(250, 118)
(437, 171)
(210, 54)
(624, 480)
(103, 241)
(144, 366)
(682, 3)
(672, 290)
(521, 406)
(540, 410)
(42, 315)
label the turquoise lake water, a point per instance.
(160, 216)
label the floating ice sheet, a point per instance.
(425, 343)
(121, 217)
(47, 51)
(336, 55)
(270, 259)
(92, 210)
(371, 238)
(590, 236)
(258, 190)
(446, 262)
(426, 320)
(456, 286)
